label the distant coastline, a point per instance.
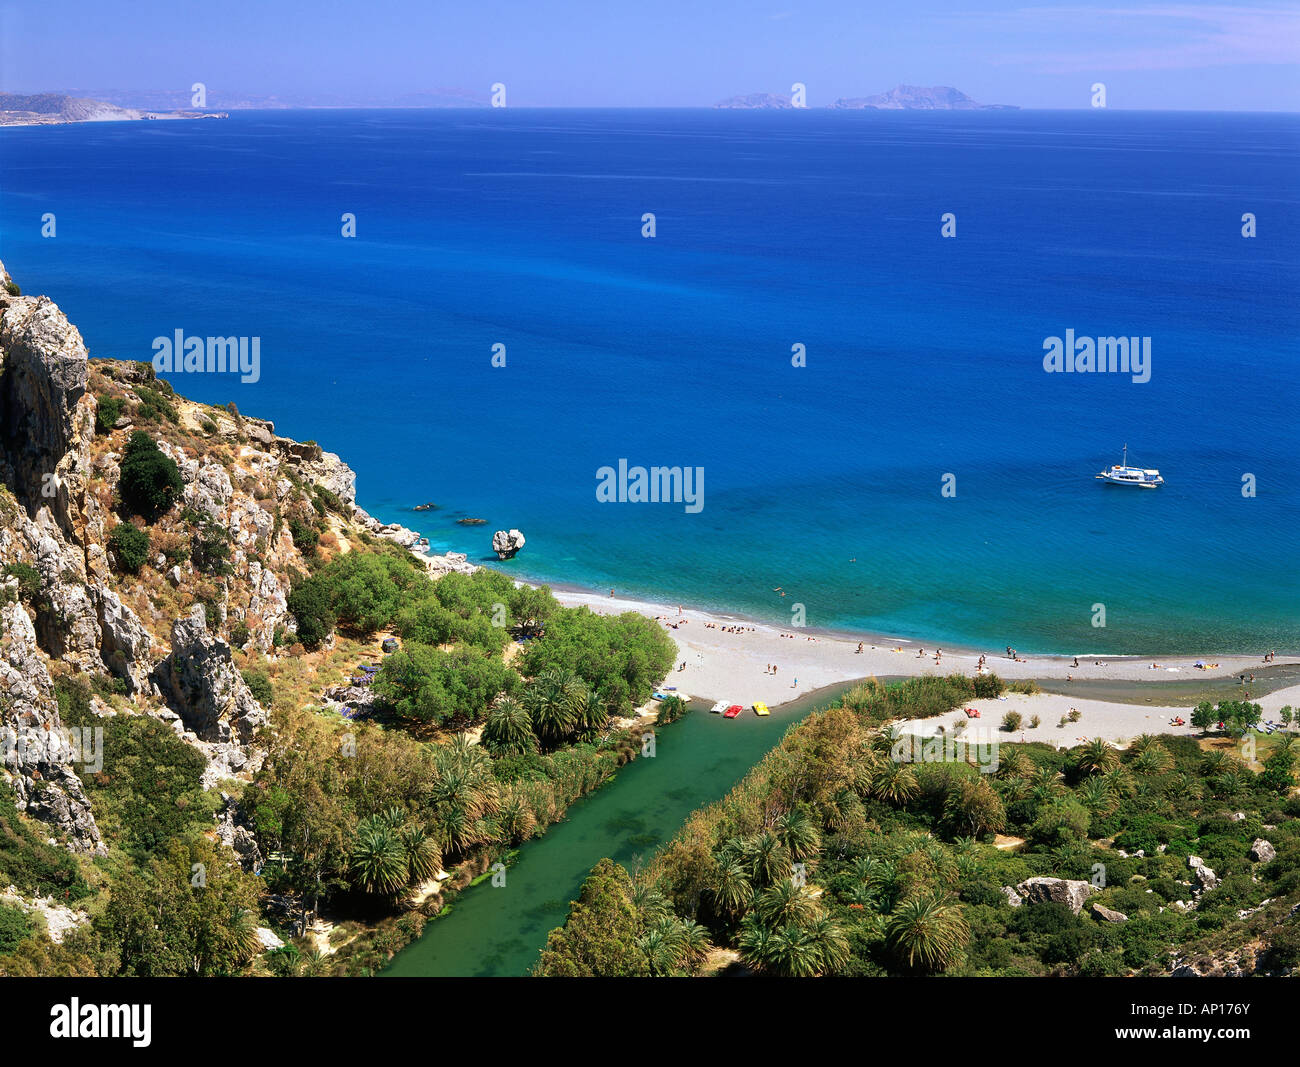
(59, 109)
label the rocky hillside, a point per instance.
(39, 109)
(162, 635)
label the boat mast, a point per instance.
(1125, 462)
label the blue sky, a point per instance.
(612, 53)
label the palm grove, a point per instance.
(833, 857)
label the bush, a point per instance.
(130, 547)
(154, 404)
(239, 633)
(14, 928)
(107, 413)
(305, 538)
(1011, 721)
(150, 482)
(309, 601)
(259, 684)
(12, 289)
(29, 581)
(424, 684)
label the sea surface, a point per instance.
(923, 354)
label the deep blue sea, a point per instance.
(924, 354)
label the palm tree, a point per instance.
(755, 943)
(798, 834)
(509, 728)
(895, 784)
(1095, 757)
(694, 945)
(883, 743)
(769, 859)
(832, 945)
(785, 903)
(593, 715)
(732, 892)
(671, 708)
(1214, 762)
(793, 952)
(555, 699)
(423, 859)
(662, 947)
(926, 932)
(1097, 796)
(515, 817)
(1152, 761)
(377, 860)
(1013, 762)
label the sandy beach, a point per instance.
(1109, 720)
(727, 658)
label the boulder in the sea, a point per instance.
(507, 543)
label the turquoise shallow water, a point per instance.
(924, 355)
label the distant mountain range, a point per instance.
(46, 109)
(900, 98)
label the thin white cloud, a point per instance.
(1151, 37)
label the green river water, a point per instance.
(492, 931)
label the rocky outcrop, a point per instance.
(1070, 892)
(232, 831)
(507, 543)
(199, 680)
(125, 644)
(36, 752)
(1262, 851)
(59, 920)
(46, 417)
(1108, 914)
(1205, 877)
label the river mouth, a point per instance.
(493, 931)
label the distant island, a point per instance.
(900, 98)
(48, 109)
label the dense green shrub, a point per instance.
(108, 411)
(150, 481)
(259, 684)
(14, 927)
(130, 547)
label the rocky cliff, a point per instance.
(161, 637)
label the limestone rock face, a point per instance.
(200, 682)
(43, 360)
(507, 543)
(1068, 891)
(1262, 851)
(36, 753)
(126, 644)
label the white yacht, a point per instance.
(1122, 474)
